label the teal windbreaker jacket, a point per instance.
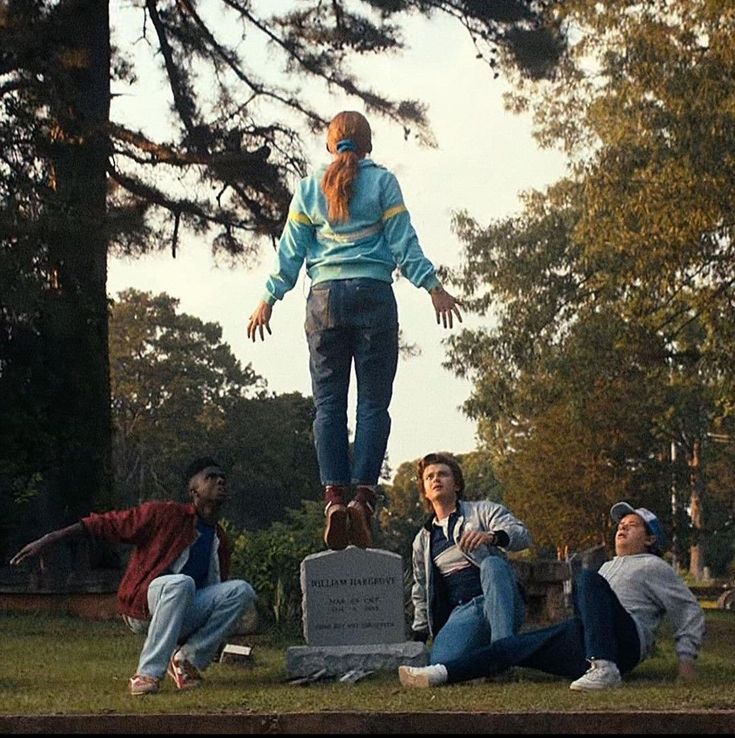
(377, 238)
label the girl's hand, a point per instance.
(261, 317)
(445, 306)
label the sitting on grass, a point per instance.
(174, 589)
(617, 614)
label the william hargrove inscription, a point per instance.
(353, 597)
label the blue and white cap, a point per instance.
(620, 509)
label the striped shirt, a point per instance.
(462, 578)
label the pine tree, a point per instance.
(76, 183)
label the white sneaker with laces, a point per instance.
(601, 675)
(422, 676)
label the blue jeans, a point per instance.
(351, 320)
(601, 629)
(495, 614)
(198, 620)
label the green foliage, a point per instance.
(268, 445)
(481, 482)
(270, 560)
(173, 382)
(721, 552)
(178, 392)
(402, 513)
(609, 297)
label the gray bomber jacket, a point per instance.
(473, 515)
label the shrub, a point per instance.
(270, 559)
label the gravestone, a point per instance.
(353, 597)
(353, 614)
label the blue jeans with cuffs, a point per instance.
(351, 321)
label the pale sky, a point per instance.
(485, 158)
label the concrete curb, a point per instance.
(426, 723)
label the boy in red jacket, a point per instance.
(174, 588)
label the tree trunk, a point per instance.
(74, 322)
(675, 548)
(696, 481)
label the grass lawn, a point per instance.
(63, 665)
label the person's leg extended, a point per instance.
(375, 350)
(374, 322)
(330, 361)
(464, 632)
(214, 612)
(610, 634)
(558, 650)
(503, 605)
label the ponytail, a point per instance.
(349, 139)
(337, 185)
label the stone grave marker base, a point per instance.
(301, 661)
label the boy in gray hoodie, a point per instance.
(617, 613)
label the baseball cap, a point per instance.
(620, 509)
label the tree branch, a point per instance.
(156, 197)
(162, 153)
(182, 102)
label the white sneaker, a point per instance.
(601, 675)
(422, 676)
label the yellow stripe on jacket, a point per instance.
(299, 217)
(395, 210)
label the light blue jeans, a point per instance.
(495, 614)
(197, 620)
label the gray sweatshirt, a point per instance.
(648, 588)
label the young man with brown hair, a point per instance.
(465, 594)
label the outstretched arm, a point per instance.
(446, 307)
(37, 547)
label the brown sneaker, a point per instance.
(361, 533)
(184, 673)
(141, 684)
(335, 531)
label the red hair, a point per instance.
(337, 181)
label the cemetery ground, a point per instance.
(64, 666)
